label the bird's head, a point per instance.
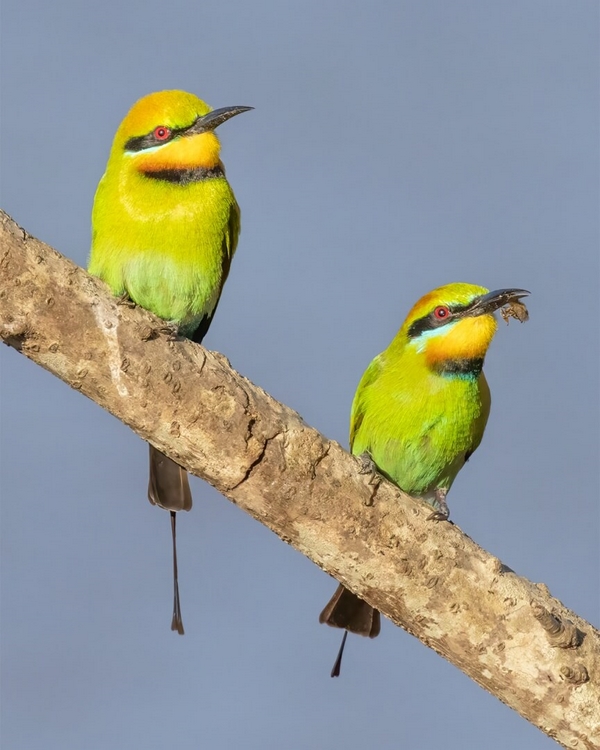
(170, 130)
(453, 326)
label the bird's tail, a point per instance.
(346, 610)
(169, 488)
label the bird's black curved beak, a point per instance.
(492, 301)
(212, 120)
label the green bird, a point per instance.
(421, 408)
(165, 226)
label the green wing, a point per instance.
(230, 241)
(360, 404)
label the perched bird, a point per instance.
(165, 226)
(421, 408)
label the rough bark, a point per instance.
(506, 633)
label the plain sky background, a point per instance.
(395, 146)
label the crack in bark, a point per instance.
(320, 459)
(265, 444)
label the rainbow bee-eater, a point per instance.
(165, 226)
(420, 411)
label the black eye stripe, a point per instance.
(141, 142)
(430, 321)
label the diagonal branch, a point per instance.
(506, 633)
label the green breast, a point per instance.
(418, 426)
(166, 245)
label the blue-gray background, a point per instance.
(395, 146)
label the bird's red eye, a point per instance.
(161, 133)
(441, 312)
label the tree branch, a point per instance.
(506, 633)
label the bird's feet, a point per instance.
(368, 466)
(170, 329)
(125, 300)
(442, 511)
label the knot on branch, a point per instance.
(561, 634)
(576, 675)
(19, 336)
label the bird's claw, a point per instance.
(442, 511)
(439, 515)
(170, 330)
(125, 300)
(368, 466)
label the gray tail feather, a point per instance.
(348, 611)
(169, 488)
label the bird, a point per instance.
(420, 411)
(165, 226)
